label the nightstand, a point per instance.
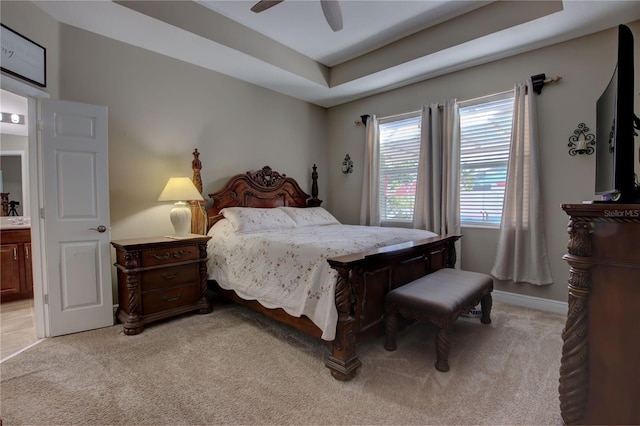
(160, 277)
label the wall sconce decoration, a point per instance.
(347, 165)
(582, 142)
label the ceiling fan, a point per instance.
(330, 8)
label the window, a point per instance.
(485, 135)
(485, 138)
(398, 166)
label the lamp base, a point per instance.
(181, 219)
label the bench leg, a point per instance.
(486, 303)
(390, 330)
(443, 344)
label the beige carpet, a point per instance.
(234, 366)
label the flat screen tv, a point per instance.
(615, 152)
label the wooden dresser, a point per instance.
(159, 278)
(15, 265)
(600, 367)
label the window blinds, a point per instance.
(398, 167)
(485, 133)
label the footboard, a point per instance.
(365, 278)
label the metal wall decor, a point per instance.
(582, 142)
(347, 165)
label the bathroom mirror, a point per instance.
(14, 161)
(13, 179)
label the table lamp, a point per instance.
(179, 189)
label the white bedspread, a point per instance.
(288, 269)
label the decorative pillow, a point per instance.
(249, 219)
(310, 216)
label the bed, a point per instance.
(338, 295)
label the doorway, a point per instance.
(17, 311)
(70, 252)
(32, 95)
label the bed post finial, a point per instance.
(314, 185)
(196, 166)
(314, 201)
(198, 213)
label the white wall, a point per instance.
(160, 109)
(586, 65)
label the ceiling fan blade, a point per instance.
(263, 5)
(333, 14)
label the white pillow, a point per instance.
(310, 216)
(249, 219)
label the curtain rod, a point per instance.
(538, 82)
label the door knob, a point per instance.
(100, 228)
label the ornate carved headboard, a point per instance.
(264, 188)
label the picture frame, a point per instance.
(22, 57)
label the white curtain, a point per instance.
(370, 205)
(522, 253)
(437, 206)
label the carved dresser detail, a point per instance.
(600, 366)
(159, 278)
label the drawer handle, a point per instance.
(171, 299)
(169, 276)
(176, 255)
(15, 253)
(180, 253)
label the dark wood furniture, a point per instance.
(363, 278)
(15, 265)
(159, 278)
(439, 298)
(600, 367)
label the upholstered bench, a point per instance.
(440, 298)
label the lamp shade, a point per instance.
(179, 189)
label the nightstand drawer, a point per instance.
(169, 255)
(162, 300)
(158, 279)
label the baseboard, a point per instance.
(547, 305)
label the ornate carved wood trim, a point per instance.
(584, 222)
(199, 224)
(343, 361)
(196, 166)
(265, 188)
(314, 201)
(267, 177)
(574, 368)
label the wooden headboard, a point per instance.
(264, 188)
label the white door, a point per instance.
(76, 216)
